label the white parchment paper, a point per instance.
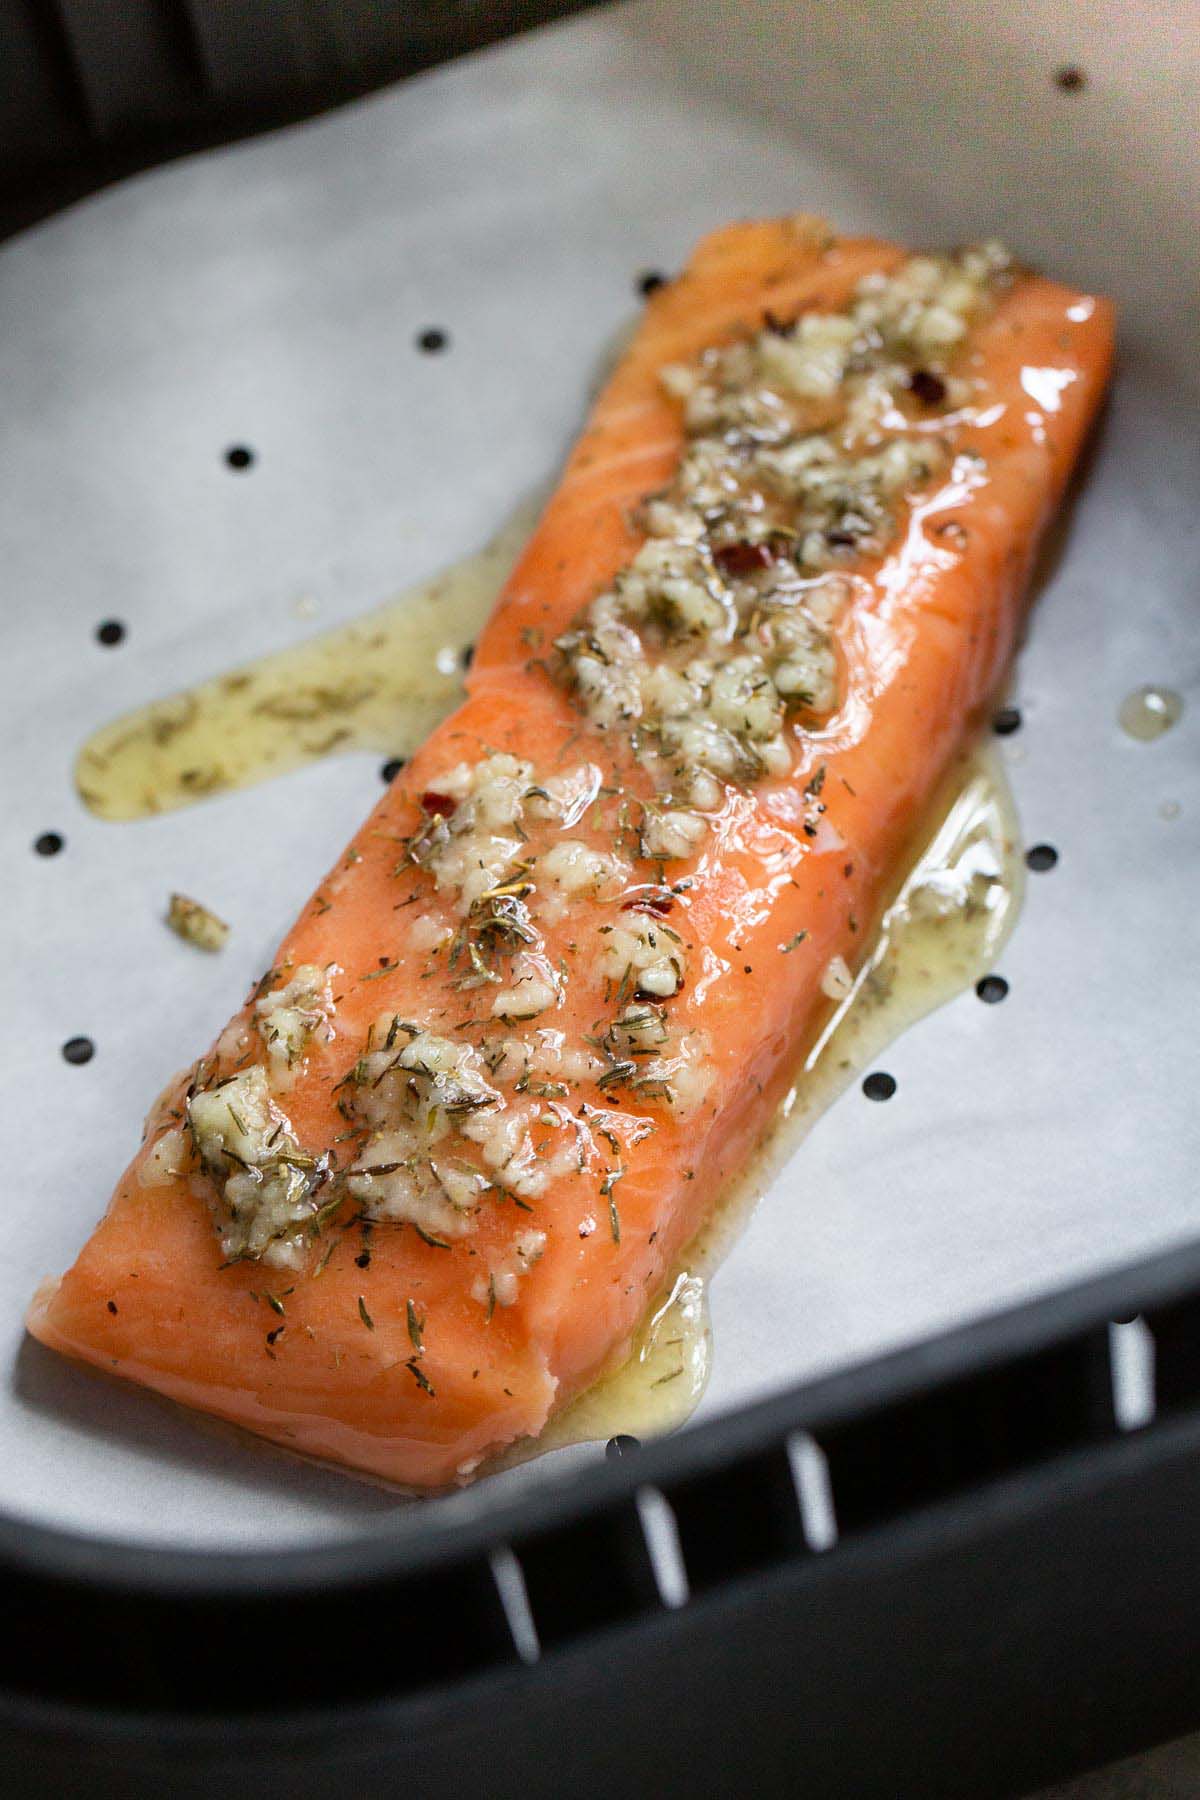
(270, 295)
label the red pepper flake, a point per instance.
(655, 901)
(441, 804)
(742, 558)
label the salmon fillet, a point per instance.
(423, 1188)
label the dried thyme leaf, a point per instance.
(387, 968)
(427, 1237)
(419, 1376)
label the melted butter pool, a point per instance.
(941, 933)
(381, 683)
(660, 1383)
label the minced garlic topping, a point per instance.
(706, 658)
(290, 1015)
(643, 956)
(468, 842)
(432, 1105)
(268, 1190)
(802, 442)
(499, 1288)
(198, 924)
(412, 1088)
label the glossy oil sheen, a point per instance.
(944, 929)
(1148, 712)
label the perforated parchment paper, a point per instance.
(270, 295)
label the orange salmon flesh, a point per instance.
(415, 1355)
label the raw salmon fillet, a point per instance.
(423, 1188)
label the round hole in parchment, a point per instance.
(621, 1445)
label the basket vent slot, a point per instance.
(738, 1519)
(969, 1431)
(587, 1574)
(1176, 1333)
